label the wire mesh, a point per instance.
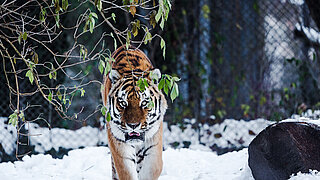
(258, 38)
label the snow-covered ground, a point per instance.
(94, 163)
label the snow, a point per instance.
(8, 136)
(95, 163)
(45, 139)
(313, 175)
(311, 33)
(296, 2)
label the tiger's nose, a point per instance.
(133, 125)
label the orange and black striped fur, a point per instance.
(135, 129)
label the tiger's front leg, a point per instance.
(123, 160)
(149, 159)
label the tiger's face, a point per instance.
(135, 115)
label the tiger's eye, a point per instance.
(123, 104)
(144, 103)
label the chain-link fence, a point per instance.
(261, 60)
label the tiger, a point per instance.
(135, 128)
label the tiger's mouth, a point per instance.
(132, 136)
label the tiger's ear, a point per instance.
(155, 74)
(114, 76)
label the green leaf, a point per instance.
(162, 23)
(57, 6)
(91, 25)
(83, 52)
(65, 4)
(53, 73)
(21, 116)
(50, 96)
(148, 37)
(174, 92)
(57, 18)
(159, 14)
(19, 38)
(162, 43)
(169, 83)
(94, 15)
(164, 52)
(161, 84)
(168, 3)
(176, 79)
(134, 29)
(35, 58)
(101, 66)
(166, 90)
(103, 110)
(13, 119)
(113, 17)
(138, 23)
(115, 41)
(82, 92)
(108, 117)
(29, 74)
(141, 84)
(42, 15)
(145, 82)
(24, 36)
(107, 68)
(59, 95)
(152, 20)
(98, 3)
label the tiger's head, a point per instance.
(135, 115)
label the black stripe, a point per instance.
(125, 86)
(117, 123)
(144, 154)
(120, 57)
(117, 89)
(117, 53)
(140, 151)
(159, 104)
(118, 138)
(156, 104)
(122, 65)
(134, 62)
(138, 57)
(155, 91)
(152, 122)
